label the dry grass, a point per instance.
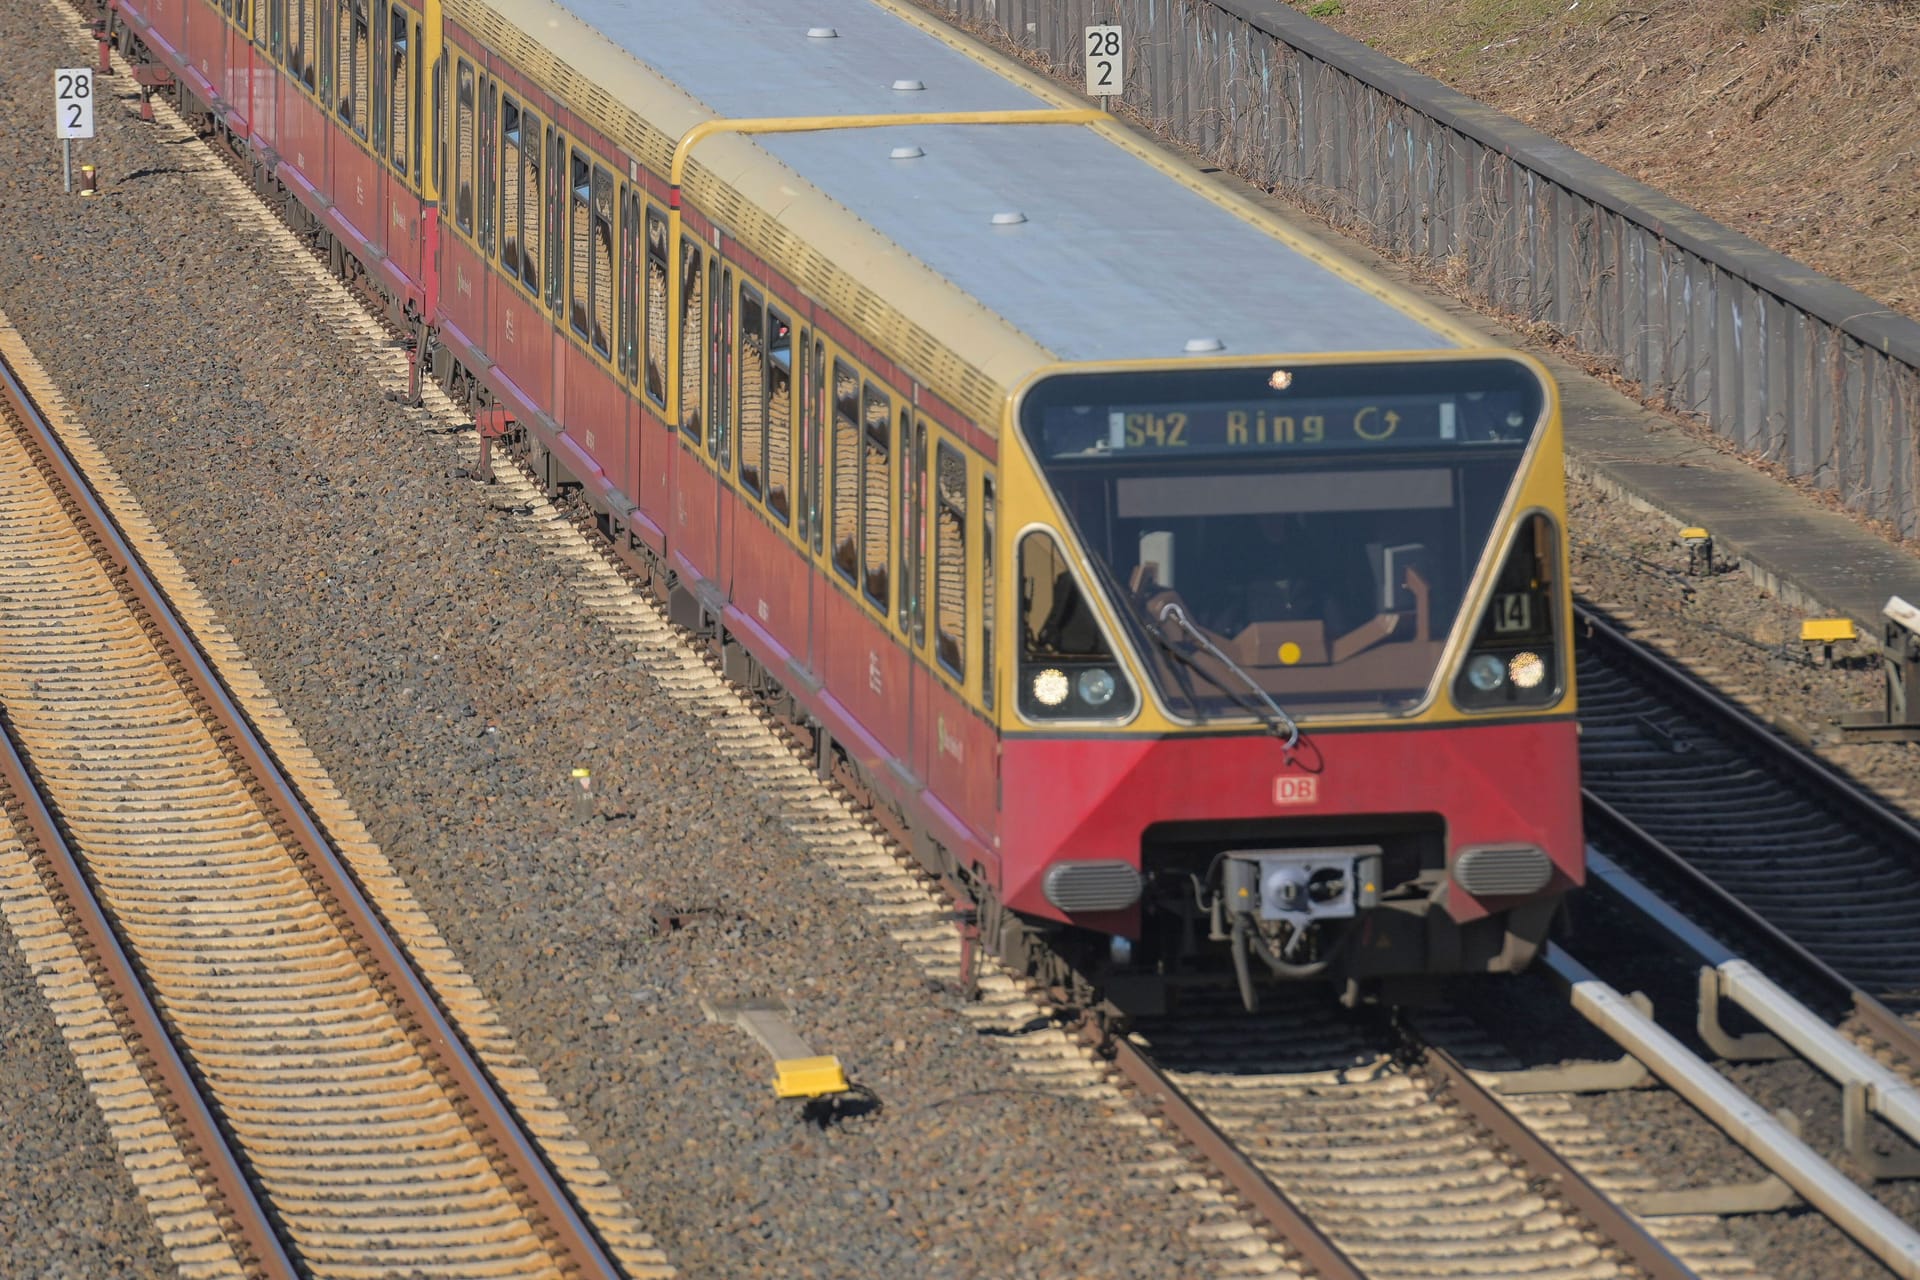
(1796, 123)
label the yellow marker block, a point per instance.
(1827, 630)
(1289, 653)
(1694, 534)
(808, 1077)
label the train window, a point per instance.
(602, 261)
(807, 425)
(556, 219)
(752, 399)
(303, 58)
(779, 413)
(690, 340)
(876, 502)
(277, 29)
(816, 433)
(362, 82)
(846, 472)
(323, 49)
(987, 588)
(950, 561)
(720, 367)
(530, 189)
(579, 242)
(416, 95)
(352, 64)
(913, 501)
(243, 16)
(656, 380)
(463, 147)
(396, 87)
(439, 123)
(377, 79)
(510, 181)
(484, 200)
(919, 524)
(629, 285)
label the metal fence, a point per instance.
(1785, 363)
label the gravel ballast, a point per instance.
(68, 1210)
(450, 685)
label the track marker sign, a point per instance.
(72, 115)
(1106, 62)
(73, 102)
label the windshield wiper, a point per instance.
(1282, 724)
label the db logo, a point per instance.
(1296, 790)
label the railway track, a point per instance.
(1691, 792)
(325, 1116)
(1567, 1244)
(1405, 1163)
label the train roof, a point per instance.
(1117, 257)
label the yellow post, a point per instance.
(801, 124)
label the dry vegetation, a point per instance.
(1796, 123)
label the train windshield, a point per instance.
(1305, 533)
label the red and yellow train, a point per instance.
(1171, 585)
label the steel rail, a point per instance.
(1899, 1034)
(1753, 733)
(263, 1254)
(1313, 1245)
(569, 1235)
(1620, 1227)
(1315, 1248)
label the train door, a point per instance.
(556, 242)
(237, 83)
(684, 478)
(913, 555)
(270, 17)
(627, 347)
(739, 524)
(809, 361)
(391, 199)
(690, 530)
(720, 424)
(262, 71)
(396, 91)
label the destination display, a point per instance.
(1274, 425)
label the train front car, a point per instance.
(1294, 690)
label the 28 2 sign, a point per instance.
(1106, 62)
(73, 102)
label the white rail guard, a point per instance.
(1892, 1098)
(1743, 1119)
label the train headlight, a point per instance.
(1050, 687)
(1526, 670)
(1096, 687)
(1486, 672)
